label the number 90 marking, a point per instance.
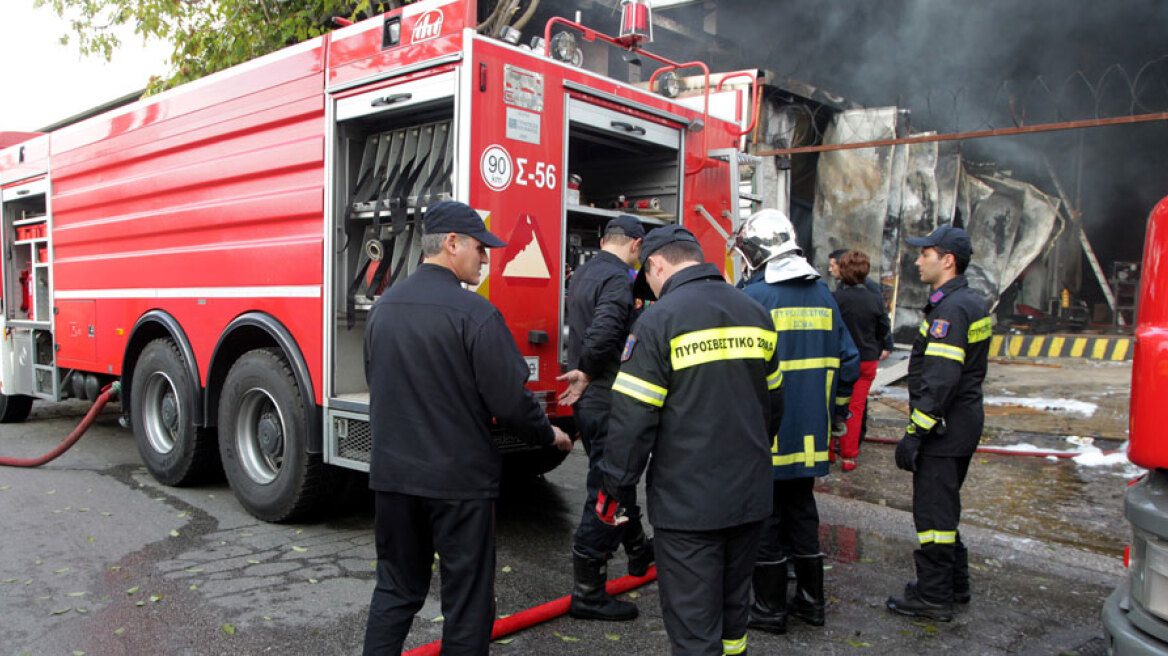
(495, 167)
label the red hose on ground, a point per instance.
(1002, 451)
(107, 392)
(543, 612)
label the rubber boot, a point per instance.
(914, 605)
(769, 610)
(807, 603)
(638, 548)
(590, 601)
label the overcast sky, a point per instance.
(45, 82)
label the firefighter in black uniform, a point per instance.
(440, 363)
(700, 390)
(945, 374)
(600, 314)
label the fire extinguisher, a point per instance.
(26, 283)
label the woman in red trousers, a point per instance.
(867, 320)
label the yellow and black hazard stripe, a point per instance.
(1102, 347)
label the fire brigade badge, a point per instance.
(939, 329)
(629, 344)
(937, 296)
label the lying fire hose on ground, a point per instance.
(1004, 451)
(543, 612)
(108, 392)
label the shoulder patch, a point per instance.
(629, 344)
(939, 329)
(937, 295)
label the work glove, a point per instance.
(609, 510)
(906, 450)
(839, 423)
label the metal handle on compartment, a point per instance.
(389, 100)
(629, 127)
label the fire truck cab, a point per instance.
(217, 247)
(1135, 616)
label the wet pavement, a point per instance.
(99, 558)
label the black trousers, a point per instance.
(942, 561)
(704, 578)
(793, 527)
(408, 531)
(594, 538)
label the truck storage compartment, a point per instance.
(617, 163)
(394, 154)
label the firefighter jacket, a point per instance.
(600, 314)
(699, 388)
(440, 363)
(820, 364)
(946, 370)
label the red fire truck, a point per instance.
(1135, 616)
(216, 247)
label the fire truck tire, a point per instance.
(176, 451)
(263, 439)
(14, 408)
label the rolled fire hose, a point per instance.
(543, 612)
(108, 392)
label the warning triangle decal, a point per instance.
(524, 256)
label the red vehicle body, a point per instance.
(215, 247)
(1135, 616)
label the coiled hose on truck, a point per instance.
(108, 392)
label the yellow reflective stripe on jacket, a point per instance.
(981, 330)
(923, 420)
(642, 390)
(809, 363)
(937, 537)
(775, 380)
(734, 647)
(843, 400)
(737, 343)
(925, 328)
(808, 456)
(946, 351)
(801, 318)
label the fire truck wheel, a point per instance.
(14, 408)
(175, 450)
(263, 439)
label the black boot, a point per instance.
(914, 605)
(590, 601)
(808, 602)
(960, 596)
(769, 610)
(638, 548)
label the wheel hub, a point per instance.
(169, 412)
(271, 438)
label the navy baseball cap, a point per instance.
(954, 240)
(453, 216)
(653, 242)
(625, 224)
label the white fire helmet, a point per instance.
(766, 235)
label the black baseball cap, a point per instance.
(453, 216)
(653, 242)
(954, 240)
(625, 224)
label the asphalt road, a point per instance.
(98, 558)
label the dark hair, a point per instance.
(854, 267)
(959, 261)
(837, 253)
(676, 252)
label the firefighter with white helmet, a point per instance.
(820, 363)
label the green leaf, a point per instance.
(120, 630)
(299, 549)
(174, 533)
(155, 598)
(76, 594)
(228, 629)
(62, 570)
(566, 638)
(438, 619)
(612, 636)
(132, 590)
(857, 643)
(313, 581)
(192, 587)
(61, 611)
(506, 569)
(253, 561)
(504, 641)
(193, 570)
(930, 629)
